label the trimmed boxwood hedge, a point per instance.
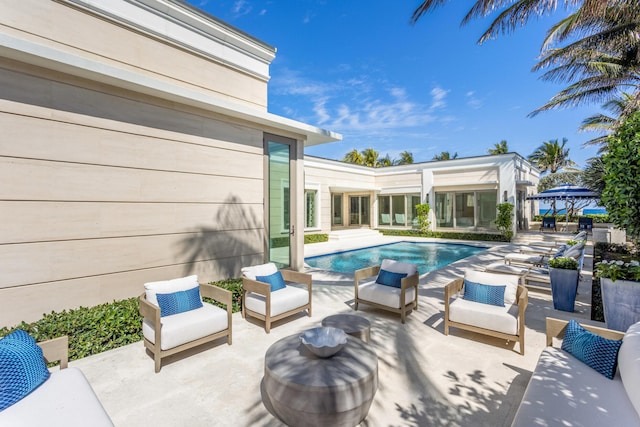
(92, 330)
(486, 237)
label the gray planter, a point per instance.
(620, 303)
(564, 287)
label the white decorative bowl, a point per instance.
(324, 341)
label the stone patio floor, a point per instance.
(425, 377)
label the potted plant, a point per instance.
(620, 288)
(564, 275)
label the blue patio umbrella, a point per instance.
(568, 193)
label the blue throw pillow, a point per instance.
(599, 353)
(275, 280)
(485, 294)
(179, 302)
(22, 367)
(389, 278)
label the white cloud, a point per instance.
(473, 101)
(241, 7)
(437, 97)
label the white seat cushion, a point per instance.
(563, 391)
(399, 267)
(168, 287)
(388, 296)
(502, 268)
(184, 327)
(259, 270)
(525, 259)
(283, 300)
(487, 316)
(65, 399)
(629, 364)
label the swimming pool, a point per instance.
(428, 256)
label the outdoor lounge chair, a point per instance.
(576, 251)
(399, 219)
(391, 286)
(528, 276)
(585, 224)
(175, 318)
(548, 223)
(267, 297)
(385, 219)
(477, 308)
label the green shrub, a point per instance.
(233, 285)
(315, 238)
(485, 237)
(597, 218)
(564, 262)
(422, 211)
(90, 330)
(504, 220)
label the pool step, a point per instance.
(355, 233)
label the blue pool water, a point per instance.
(428, 256)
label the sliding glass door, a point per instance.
(279, 224)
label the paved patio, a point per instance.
(425, 377)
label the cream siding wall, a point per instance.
(94, 204)
(61, 25)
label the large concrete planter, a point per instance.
(564, 287)
(620, 303)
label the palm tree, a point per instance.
(499, 148)
(385, 161)
(370, 158)
(406, 158)
(552, 156)
(602, 54)
(606, 124)
(445, 155)
(354, 157)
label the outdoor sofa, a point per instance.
(565, 391)
(64, 399)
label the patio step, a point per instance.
(355, 233)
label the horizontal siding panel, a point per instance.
(466, 177)
(43, 180)
(46, 221)
(84, 144)
(91, 291)
(32, 263)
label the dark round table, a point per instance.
(351, 324)
(307, 390)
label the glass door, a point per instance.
(336, 207)
(358, 210)
(279, 202)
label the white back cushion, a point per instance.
(259, 270)
(629, 364)
(508, 280)
(399, 267)
(169, 287)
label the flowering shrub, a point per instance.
(615, 270)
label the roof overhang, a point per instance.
(47, 57)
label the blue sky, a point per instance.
(362, 70)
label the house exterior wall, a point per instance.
(130, 153)
(502, 175)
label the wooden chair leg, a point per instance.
(157, 360)
(267, 325)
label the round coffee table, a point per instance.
(351, 324)
(307, 390)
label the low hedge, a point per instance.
(485, 237)
(597, 218)
(92, 330)
(315, 238)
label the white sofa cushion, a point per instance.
(283, 300)
(487, 316)
(525, 259)
(184, 327)
(259, 270)
(484, 278)
(65, 399)
(168, 287)
(399, 267)
(563, 391)
(629, 364)
(388, 296)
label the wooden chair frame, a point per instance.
(56, 349)
(264, 289)
(522, 299)
(555, 328)
(405, 284)
(151, 313)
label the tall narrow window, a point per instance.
(336, 208)
(279, 216)
(310, 208)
